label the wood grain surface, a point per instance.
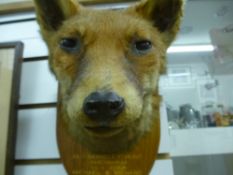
(79, 161)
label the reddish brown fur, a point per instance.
(106, 61)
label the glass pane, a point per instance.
(197, 90)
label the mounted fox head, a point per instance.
(108, 63)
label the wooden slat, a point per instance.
(38, 162)
(31, 59)
(37, 106)
(160, 157)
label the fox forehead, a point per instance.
(90, 23)
(108, 35)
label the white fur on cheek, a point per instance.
(74, 105)
(133, 104)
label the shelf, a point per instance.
(205, 141)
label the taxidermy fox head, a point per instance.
(107, 63)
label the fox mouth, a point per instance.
(104, 131)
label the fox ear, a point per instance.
(164, 14)
(51, 13)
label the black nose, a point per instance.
(103, 106)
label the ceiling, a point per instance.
(202, 15)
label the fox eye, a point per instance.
(70, 44)
(142, 46)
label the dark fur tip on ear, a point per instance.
(165, 14)
(171, 15)
(51, 13)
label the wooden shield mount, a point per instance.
(80, 161)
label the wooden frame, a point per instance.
(27, 5)
(10, 68)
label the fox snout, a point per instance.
(103, 107)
